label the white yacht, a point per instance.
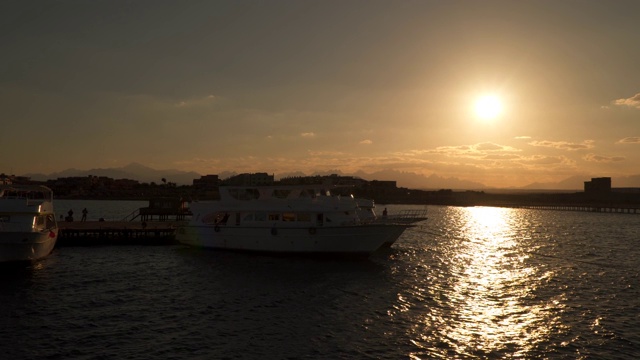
(286, 219)
(28, 228)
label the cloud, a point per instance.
(488, 147)
(475, 150)
(600, 158)
(366, 142)
(501, 157)
(308, 135)
(545, 160)
(629, 140)
(633, 101)
(200, 101)
(564, 145)
(522, 137)
(326, 153)
(486, 150)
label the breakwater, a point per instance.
(587, 208)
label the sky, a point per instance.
(312, 86)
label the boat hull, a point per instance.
(357, 239)
(26, 246)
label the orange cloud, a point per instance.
(629, 140)
(564, 145)
(633, 101)
(600, 158)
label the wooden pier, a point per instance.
(89, 233)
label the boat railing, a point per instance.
(405, 216)
(34, 195)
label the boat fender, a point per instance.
(216, 228)
(312, 231)
(274, 231)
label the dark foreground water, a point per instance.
(477, 283)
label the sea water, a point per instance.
(468, 283)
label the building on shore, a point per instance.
(598, 186)
(206, 182)
(247, 179)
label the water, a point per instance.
(470, 283)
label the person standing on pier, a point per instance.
(84, 214)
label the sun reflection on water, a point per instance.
(488, 307)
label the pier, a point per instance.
(90, 233)
(614, 209)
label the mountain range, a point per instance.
(142, 173)
(133, 171)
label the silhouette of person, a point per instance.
(384, 212)
(70, 217)
(84, 214)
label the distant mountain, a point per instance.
(577, 183)
(133, 171)
(626, 181)
(404, 179)
(572, 183)
(418, 181)
(290, 174)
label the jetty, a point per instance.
(91, 233)
(614, 209)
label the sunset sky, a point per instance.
(349, 85)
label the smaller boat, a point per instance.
(28, 228)
(287, 219)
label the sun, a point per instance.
(488, 107)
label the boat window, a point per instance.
(244, 194)
(5, 218)
(288, 217)
(216, 218)
(224, 219)
(281, 193)
(211, 218)
(261, 216)
(273, 217)
(248, 217)
(234, 193)
(51, 222)
(304, 217)
(250, 194)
